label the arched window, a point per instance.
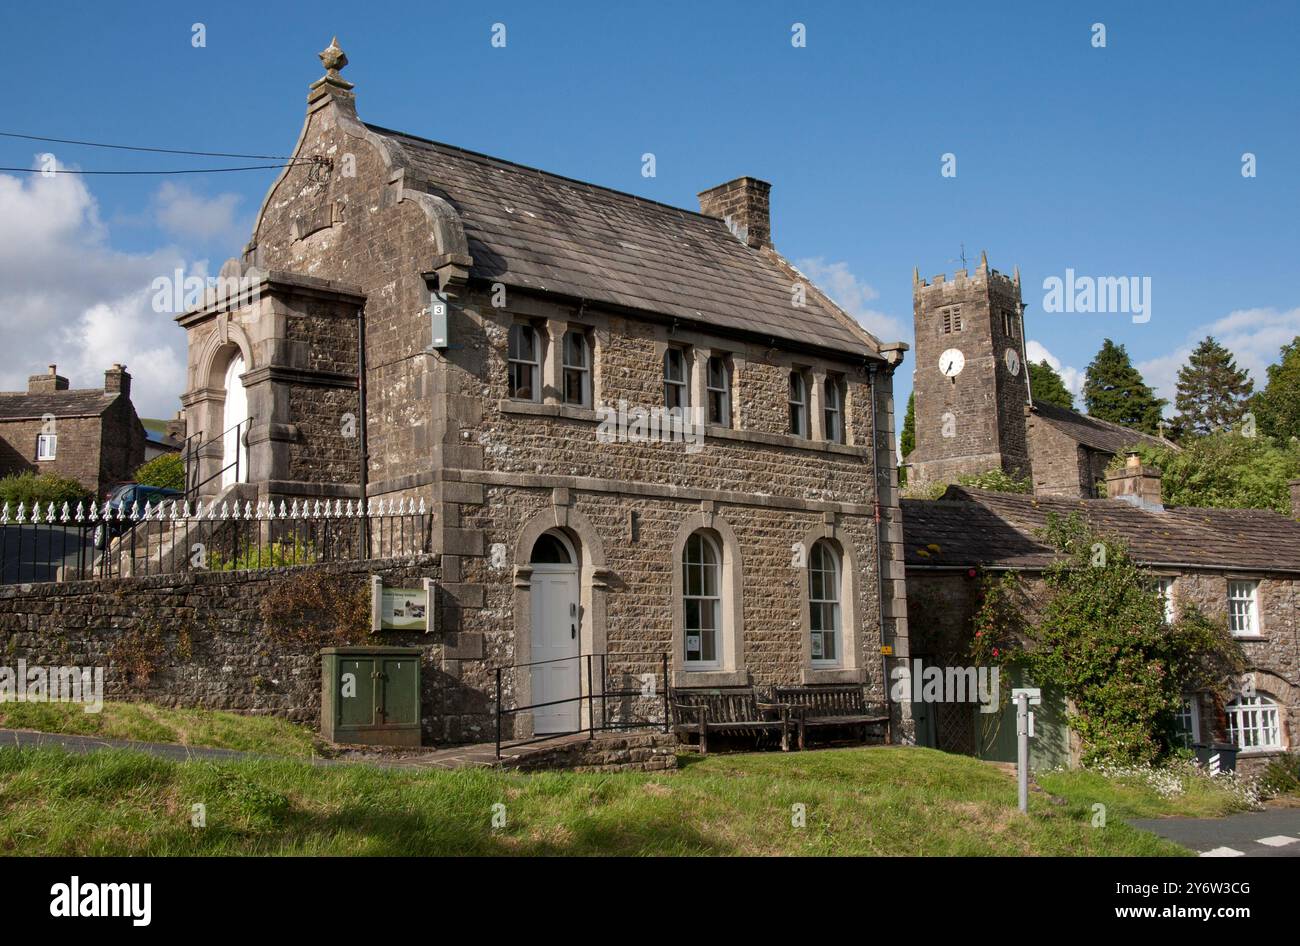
(1254, 723)
(702, 600)
(824, 617)
(550, 549)
(524, 357)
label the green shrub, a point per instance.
(43, 488)
(996, 480)
(1281, 777)
(166, 471)
(275, 555)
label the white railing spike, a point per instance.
(283, 510)
(50, 515)
(248, 509)
(79, 511)
(225, 509)
(422, 510)
(67, 513)
(4, 514)
(22, 513)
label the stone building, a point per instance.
(973, 409)
(89, 434)
(411, 319)
(1239, 565)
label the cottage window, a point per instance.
(577, 369)
(677, 393)
(798, 404)
(1243, 608)
(702, 599)
(1254, 723)
(1165, 595)
(525, 363)
(824, 603)
(47, 446)
(1188, 723)
(834, 410)
(718, 383)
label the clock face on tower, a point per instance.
(1012, 359)
(951, 362)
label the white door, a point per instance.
(556, 634)
(235, 413)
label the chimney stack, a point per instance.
(117, 381)
(743, 204)
(1136, 484)
(1295, 498)
(47, 383)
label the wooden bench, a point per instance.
(728, 711)
(822, 706)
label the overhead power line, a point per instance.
(99, 144)
(253, 167)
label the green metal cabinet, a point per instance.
(371, 695)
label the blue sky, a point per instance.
(1124, 160)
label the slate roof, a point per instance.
(534, 230)
(969, 526)
(1092, 432)
(89, 402)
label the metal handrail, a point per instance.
(192, 490)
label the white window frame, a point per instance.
(1165, 595)
(719, 392)
(1254, 723)
(1243, 608)
(583, 369)
(799, 406)
(535, 365)
(833, 410)
(711, 601)
(832, 583)
(47, 447)
(679, 385)
(1189, 714)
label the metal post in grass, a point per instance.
(1024, 732)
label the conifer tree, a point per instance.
(1212, 390)
(1046, 386)
(1114, 390)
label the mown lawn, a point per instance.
(144, 722)
(870, 801)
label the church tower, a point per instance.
(970, 378)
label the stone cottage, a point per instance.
(89, 434)
(1239, 565)
(641, 430)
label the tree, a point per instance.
(1225, 470)
(166, 470)
(1277, 407)
(1212, 390)
(1046, 386)
(1113, 390)
(907, 441)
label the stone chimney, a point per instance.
(1295, 498)
(47, 383)
(743, 204)
(117, 381)
(1136, 484)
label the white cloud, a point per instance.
(1254, 336)
(68, 297)
(183, 213)
(852, 295)
(1072, 377)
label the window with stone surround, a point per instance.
(1165, 595)
(798, 404)
(1243, 608)
(824, 617)
(951, 319)
(833, 409)
(524, 359)
(1008, 323)
(718, 385)
(577, 368)
(47, 446)
(1188, 723)
(677, 388)
(1254, 723)
(702, 600)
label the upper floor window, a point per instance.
(524, 356)
(677, 392)
(577, 368)
(1243, 608)
(47, 446)
(833, 409)
(718, 383)
(1254, 723)
(951, 318)
(824, 603)
(798, 404)
(702, 601)
(1165, 595)
(1008, 323)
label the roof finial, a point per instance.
(984, 259)
(1017, 275)
(916, 275)
(333, 58)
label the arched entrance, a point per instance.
(234, 442)
(556, 633)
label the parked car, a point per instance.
(126, 497)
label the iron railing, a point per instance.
(193, 457)
(112, 541)
(607, 707)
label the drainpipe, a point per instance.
(880, 545)
(363, 481)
